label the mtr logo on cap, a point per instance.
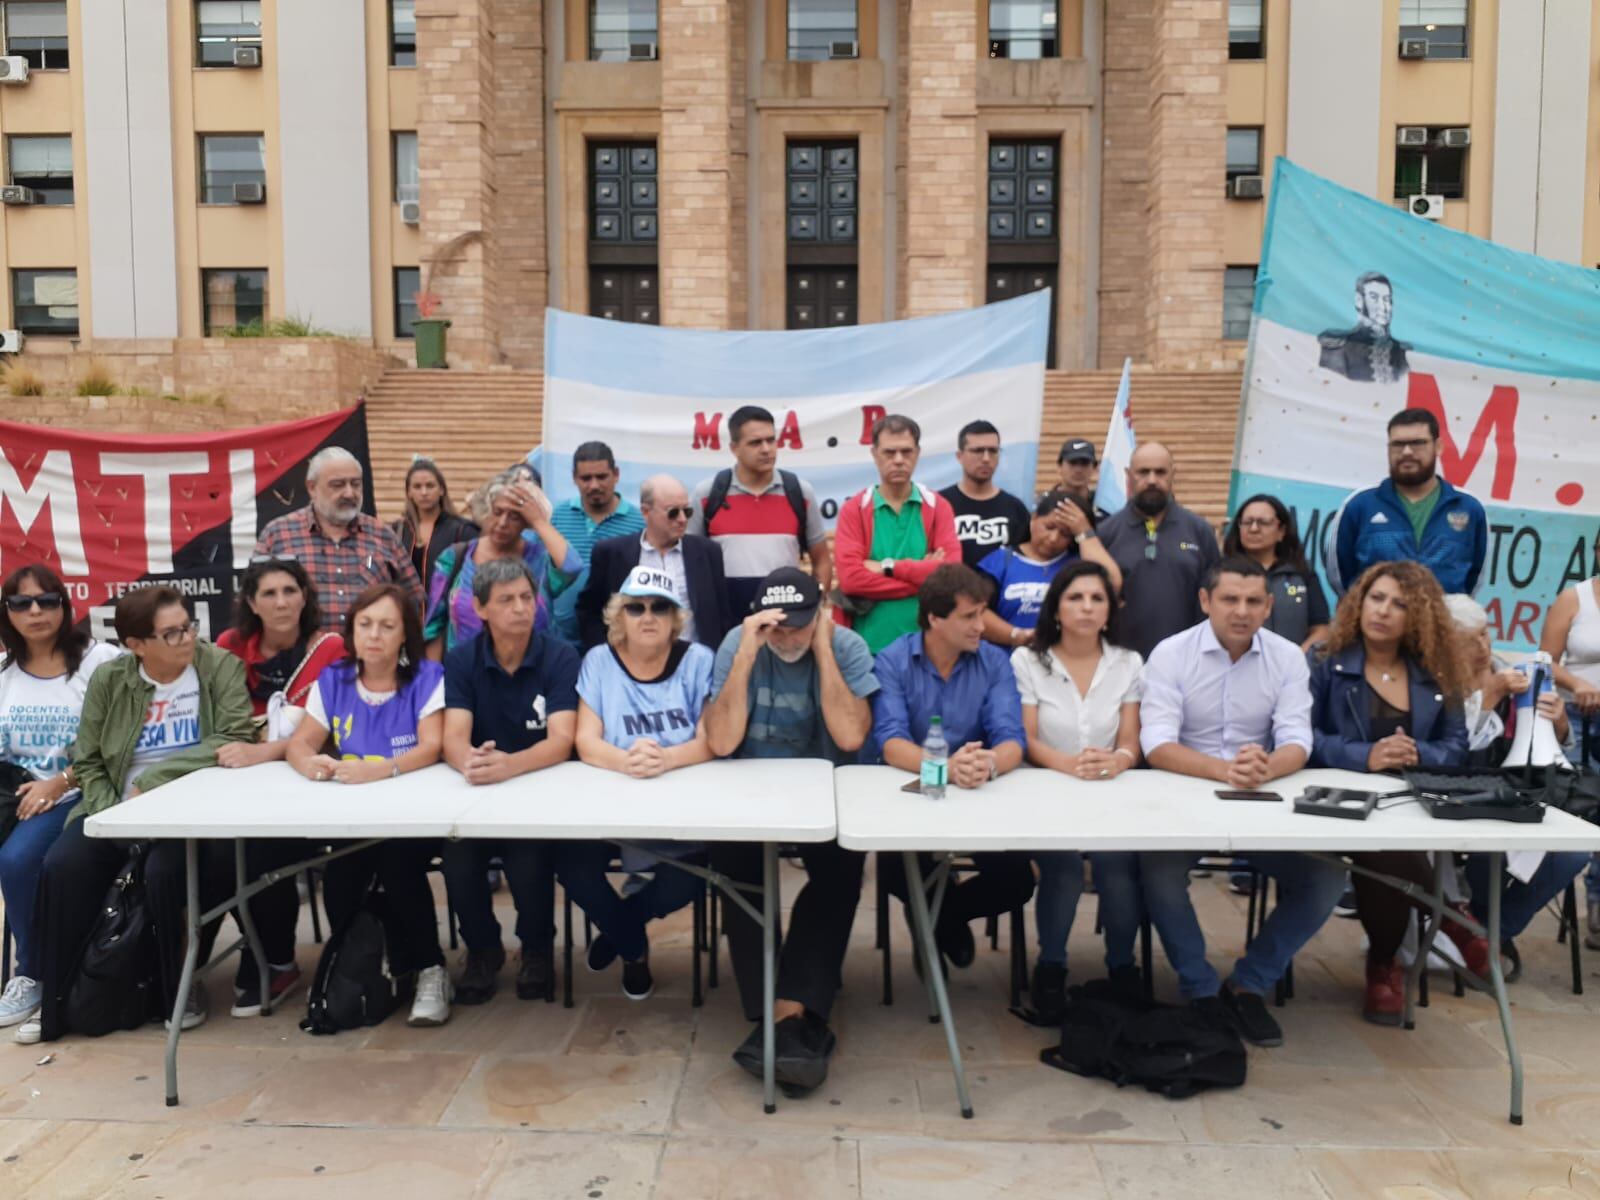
(649, 577)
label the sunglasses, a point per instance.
(47, 602)
(678, 512)
(658, 608)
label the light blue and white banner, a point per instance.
(1111, 492)
(1362, 310)
(661, 398)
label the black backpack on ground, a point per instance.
(115, 985)
(722, 481)
(1163, 1048)
(352, 986)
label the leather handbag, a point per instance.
(114, 986)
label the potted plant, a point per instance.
(429, 331)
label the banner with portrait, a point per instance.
(661, 398)
(111, 512)
(1361, 310)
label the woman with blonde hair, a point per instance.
(1387, 693)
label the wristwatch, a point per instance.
(1085, 536)
(888, 568)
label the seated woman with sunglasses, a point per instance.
(382, 710)
(514, 506)
(149, 717)
(644, 677)
(43, 678)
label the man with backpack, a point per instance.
(761, 517)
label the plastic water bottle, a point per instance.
(935, 761)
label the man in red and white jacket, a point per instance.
(891, 537)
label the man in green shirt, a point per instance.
(891, 537)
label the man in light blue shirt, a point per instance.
(598, 511)
(1230, 701)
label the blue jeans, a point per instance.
(581, 868)
(21, 862)
(1056, 903)
(1116, 881)
(1520, 902)
(1307, 891)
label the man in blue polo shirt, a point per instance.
(511, 707)
(947, 670)
(598, 511)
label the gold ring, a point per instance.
(1104, 772)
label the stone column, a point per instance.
(1124, 182)
(518, 243)
(941, 193)
(1188, 139)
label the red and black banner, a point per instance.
(113, 512)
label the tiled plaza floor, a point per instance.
(612, 1100)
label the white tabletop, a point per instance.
(741, 800)
(1033, 809)
(783, 800)
(272, 800)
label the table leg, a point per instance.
(923, 928)
(769, 975)
(1496, 885)
(191, 955)
(247, 922)
(1430, 930)
(941, 879)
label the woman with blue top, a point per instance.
(1061, 532)
(640, 700)
(515, 506)
(378, 714)
(43, 678)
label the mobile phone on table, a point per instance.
(1227, 794)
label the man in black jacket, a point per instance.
(694, 563)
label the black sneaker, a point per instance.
(601, 953)
(1250, 1017)
(801, 1048)
(1346, 907)
(956, 943)
(247, 998)
(637, 982)
(479, 977)
(536, 977)
(1049, 991)
(1213, 1012)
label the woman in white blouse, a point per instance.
(1080, 706)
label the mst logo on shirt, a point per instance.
(983, 531)
(660, 721)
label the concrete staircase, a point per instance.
(474, 424)
(1194, 413)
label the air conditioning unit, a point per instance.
(1413, 47)
(17, 194)
(1411, 135)
(1246, 187)
(10, 341)
(250, 193)
(247, 56)
(844, 50)
(411, 212)
(641, 52)
(1429, 208)
(1455, 139)
(13, 69)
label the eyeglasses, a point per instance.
(679, 512)
(1410, 444)
(178, 634)
(1257, 522)
(658, 608)
(47, 602)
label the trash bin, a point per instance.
(430, 337)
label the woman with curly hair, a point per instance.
(1386, 694)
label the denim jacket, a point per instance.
(1341, 735)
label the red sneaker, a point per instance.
(1386, 996)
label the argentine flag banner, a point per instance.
(661, 398)
(1362, 310)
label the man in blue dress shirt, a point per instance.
(1230, 701)
(947, 670)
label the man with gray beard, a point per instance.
(791, 683)
(341, 548)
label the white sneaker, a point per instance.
(29, 1032)
(432, 1003)
(20, 1000)
(195, 1010)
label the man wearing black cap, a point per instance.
(791, 683)
(1076, 467)
(987, 517)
